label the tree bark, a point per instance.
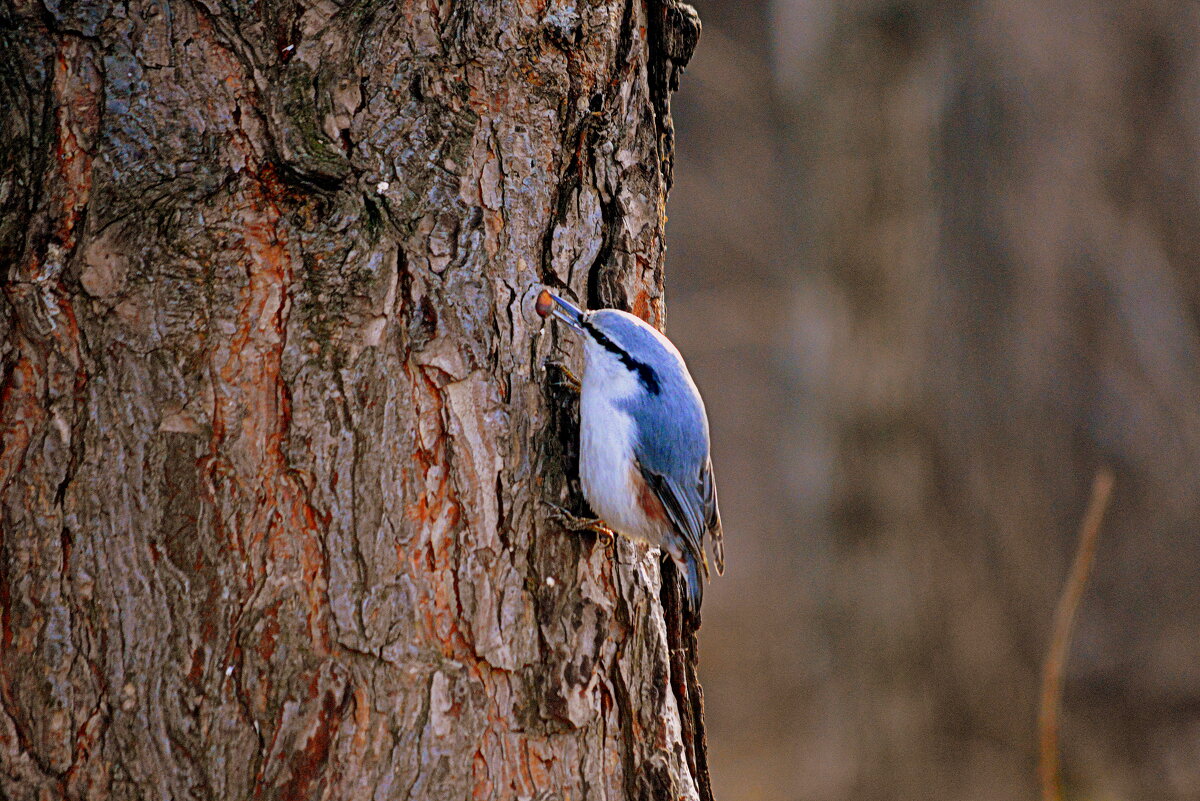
(276, 430)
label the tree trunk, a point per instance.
(276, 431)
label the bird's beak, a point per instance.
(550, 305)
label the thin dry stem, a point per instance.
(1050, 705)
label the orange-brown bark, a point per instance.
(276, 437)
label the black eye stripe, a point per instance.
(645, 372)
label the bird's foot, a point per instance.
(607, 537)
(564, 378)
(574, 522)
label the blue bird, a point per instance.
(644, 462)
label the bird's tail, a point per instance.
(693, 590)
(717, 537)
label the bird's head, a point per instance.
(618, 337)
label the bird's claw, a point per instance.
(565, 377)
(574, 522)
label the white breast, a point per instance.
(606, 438)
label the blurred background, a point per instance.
(932, 264)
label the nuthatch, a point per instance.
(643, 439)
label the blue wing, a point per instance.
(672, 452)
(671, 447)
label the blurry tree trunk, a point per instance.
(275, 429)
(1009, 199)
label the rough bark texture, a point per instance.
(276, 430)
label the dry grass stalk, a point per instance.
(1050, 705)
